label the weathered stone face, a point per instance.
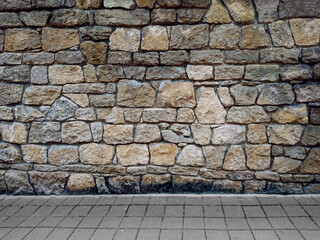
(41, 95)
(311, 163)
(96, 153)
(147, 133)
(75, 132)
(276, 94)
(217, 13)
(235, 159)
(80, 183)
(34, 153)
(14, 133)
(284, 134)
(191, 155)
(222, 32)
(241, 11)
(214, 156)
(118, 134)
(305, 31)
(254, 36)
(18, 182)
(281, 34)
(63, 74)
(125, 39)
(176, 94)
(311, 135)
(285, 165)
(163, 154)
(54, 40)
(307, 92)
(295, 114)
(209, 110)
(133, 154)
(246, 115)
(258, 156)
(119, 17)
(95, 53)
(48, 183)
(45, 132)
(10, 94)
(10, 153)
(61, 155)
(229, 134)
(256, 133)
(21, 39)
(154, 38)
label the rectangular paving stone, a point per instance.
(31, 221)
(26, 211)
(117, 211)
(233, 211)
(167, 234)
(72, 201)
(193, 223)
(155, 211)
(215, 223)
(144, 200)
(295, 211)
(10, 210)
(237, 223)
(88, 201)
(151, 222)
(158, 201)
(268, 200)
(105, 234)
(39, 234)
(80, 211)
(148, 234)
(253, 211)
(197, 200)
(81, 234)
(175, 200)
(62, 211)
(241, 235)
(211, 200)
(259, 223)
(174, 211)
(12, 222)
(131, 222)
(17, 234)
(303, 200)
(281, 223)
(289, 235)
(313, 211)
(44, 211)
(99, 211)
(274, 211)
(90, 222)
(213, 211)
(4, 231)
(70, 222)
(304, 223)
(136, 210)
(106, 200)
(214, 235)
(172, 223)
(288, 200)
(310, 235)
(39, 201)
(110, 222)
(128, 234)
(55, 201)
(60, 233)
(194, 234)
(51, 222)
(123, 200)
(265, 235)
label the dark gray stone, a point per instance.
(190, 16)
(310, 55)
(169, 3)
(44, 132)
(119, 17)
(195, 4)
(296, 72)
(315, 116)
(40, 58)
(283, 188)
(15, 4)
(9, 20)
(69, 18)
(163, 16)
(35, 18)
(276, 94)
(62, 109)
(311, 135)
(158, 73)
(299, 8)
(267, 10)
(146, 59)
(16, 74)
(70, 57)
(120, 57)
(95, 33)
(47, 3)
(10, 153)
(242, 56)
(174, 57)
(210, 57)
(18, 182)
(124, 185)
(109, 73)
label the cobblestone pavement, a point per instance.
(164, 217)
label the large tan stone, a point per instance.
(235, 159)
(214, 156)
(125, 39)
(185, 115)
(241, 11)
(133, 154)
(229, 134)
(62, 155)
(163, 154)
(146, 133)
(312, 163)
(305, 31)
(132, 93)
(209, 110)
(192, 156)
(86, 4)
(145, 3)
(201, 133)
(256, 133)
(291, 114)
(118, 134)
(95, 52)
(21, 39)
(311, 135)
(281, 34)
(217, 13)
(254, 36)
(176, 94)
(41, 95)
(222, 32)
(10, 93)
(75, 132)
(54, 39)
(285, 165)
(246, 115)
(80, 183)
(258, 156)
(64, 74)
(199, 72)
(155, 38)
(80, 99)
(284, 134)
(48, 183)
(93, 153)
(111, 115)
(34, 153)
(14, 133)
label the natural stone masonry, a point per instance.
(137, 96)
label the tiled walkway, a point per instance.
(164, 217)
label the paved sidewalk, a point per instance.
(164, 217)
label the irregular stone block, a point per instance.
(18, 182)
(169, 3)
(95, 33)
(154, 38)
(85, 114)
(229, 134)
(305, 31)
(296, 72)
(48, 3)
(185, 184)
(133, 72)
(209, 110)
(225, 97)
(189, 36)
(106, 100)
(41, 95)
(246, 115)
(96, 153)
(315, 116)
(199, 72)
(173, 137)
(63, 155)
(80, 99)
(6, 113)
(217, 13)
(188, 171)
(15, 4)
(81, 183)
(133, 154)
(311, 135)
(10, 93)
(256, 133)
(10, 58)
(242, 56)
(291, 114)
(281, 34)
(191, 155)
(88, 88)
(279, 55)
(119, 17)
(295, 152)
(62, 74)
(156, 183)
(222, 32)
(228, 72)
(176, 94)
(95, 53)
(285, 165)
(69, 18)
(44, 132)
(201, 134)
(253, 37)
(298, 8)
(234, 159)
(276, 94)
(209, 57)
(88, 4)
(283, 188)
(124, 185)
(244, 95)
(190, 16)
(125, 39)
(145, 133)
(118, 134)
(9, 20)
(241, 11)
(146, 59)
(128, 4)
(135, 94)
(10, 153)
(54, 39)
(145, 3)
(308, 92)
(155, 115)
(48, 183)
(165, 73)
(253, 186)
(284, 134)
(75, 132)
(27, 114)
(62, 109)
(70, 57)
(21, 39)
(14, 133)
(310, 55)
(39, 75)
(163, 154)
(163, 16)
(267, 10)
(311, 163)
(109, 73)
(119, 58)
(41, 58)
(19, 73)
(214, 156)
(258, 156)
(34, 153)
(195, 4)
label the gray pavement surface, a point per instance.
(160, 217)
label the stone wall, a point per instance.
(138, 96)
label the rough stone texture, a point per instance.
(234, 159)
(119, 17)
(256, 133)
(281, 34)
(10, 94)
(191, 155)
(276, 94)
(61, 155)
(45, 132)
(80, 183)
(133, 154)
(222, 32)
(95, 53)
(93, 153)
(246, 115)
(48, 183)
(229, 134)
(305, 31)
(311, 163)
(75, 132)
(258, 156)
(34, 153)
(54, 39)
(118, 134)
(61, 74)
(69, 18)
(209, 110)
(87, 4)
(292, 114)
(307, 92)
(311, 135)
(146, 133)
(18, 182)
(214, 156)
(284, 134)
(241, 11)
(128, 4)
(199, 72)
(244, 95)
(21, 39)
(14, 133)
(285, 165)
(154, 38)
(10, 153)
(253, 37)
(125, 39)
(190, 16)
(41, 95)
(163, 154)
(217, 13)
(189, 36)
(279, 55)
